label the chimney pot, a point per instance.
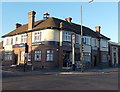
(46, 15)
(17, 25)
(98, 29)
(69, 19)
(31, 19)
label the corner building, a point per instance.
(49, 42)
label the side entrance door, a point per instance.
(22, 57)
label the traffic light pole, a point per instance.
(73, 52)
(26, 55)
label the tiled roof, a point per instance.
(52, 22)
(21, 29)
(114, 43)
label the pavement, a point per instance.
(19, 70)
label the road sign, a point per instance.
(73, 38)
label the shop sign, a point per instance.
(67, 44)
(73, 38)
(18, 45)
(37, 43)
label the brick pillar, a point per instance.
(60, 56)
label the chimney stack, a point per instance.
(68, 19)
(31, 19)
(98, 29)
(17, 25)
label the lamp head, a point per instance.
(90, 1)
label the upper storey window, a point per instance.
(23, 38)
(104, 43)
(86, 40)
(95, 42)
(9, 41)
(66, 36)
(37, 36)
(16, 40)
(77, 39)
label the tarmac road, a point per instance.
(55, 81)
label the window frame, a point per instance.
(11, 41)
(7, 41)
(37, 36)
(23, 38)
(104, 44)
(38, 52)
(16, 40)
(8, 56)
(77, 38)
(50, 55)
(66, 36)
(86, 40)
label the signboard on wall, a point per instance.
(65, 43)
(18, 45)
(73, 38)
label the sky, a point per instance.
(104, 14)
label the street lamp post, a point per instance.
(81, 34)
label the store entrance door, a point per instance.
(95, 60)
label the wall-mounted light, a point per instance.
(57, 49)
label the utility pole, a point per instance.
(81, 33)
(26, 55)
(73, 51)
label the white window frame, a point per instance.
(49, 56)
(37, 36)
(37, 54)
(86, 40)
(67, 36)
(16, 39)
(77, 38)
(7, 41)
(104, 43)
(23, 38)
(95, 42)
(11, 41)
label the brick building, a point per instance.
(1, 52)
(49, 42)
(114, 54)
